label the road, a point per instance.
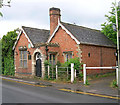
(13, 92)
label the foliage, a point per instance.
(58, 63)
(87, 83)
(76, 61)
(114, 84)
(2, 4)
(9, 66)
(107, 27)
(64, 70)
(46, 63)
(1, 14)
(7, 53)
(80, 76)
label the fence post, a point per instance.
(75, 73)
(72, 72)
(84, 73)
(117, 74)
(48, 71)
(56, 72)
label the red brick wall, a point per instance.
(99, 56)
(66, 44)
(23, 41)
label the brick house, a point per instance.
(62, 42)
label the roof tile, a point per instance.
(37, 35)
(88, 36)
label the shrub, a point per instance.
(114, 84)
(87, 82)
(76, 61)
(9, 66)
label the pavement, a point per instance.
(99, 86)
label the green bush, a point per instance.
(9, 66)
(46, 63)
(80, 76)
(114, 84)
(87, 82)
(7, 53)
(76, 61)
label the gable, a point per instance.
(33, 35)
(18, 37)
(63, 39)
(69, 33)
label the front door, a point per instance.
(38, 66)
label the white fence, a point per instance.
(56, 70)
(85, 75)
(72, 73)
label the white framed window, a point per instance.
(23, 59)
(53, 58)
(67, 55)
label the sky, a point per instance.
(35, 13)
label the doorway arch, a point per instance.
(38, 56)
(38, 66)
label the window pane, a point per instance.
(21, 65)
(25, 63)
(70, 55)
(66, 57)
(53, 57)
(25, 55)
(50, 59)
(21, 54)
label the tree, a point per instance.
(107, 27)
(7, 53)
(2, 4)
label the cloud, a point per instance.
(35, 13)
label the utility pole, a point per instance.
(118, 53)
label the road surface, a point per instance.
(13, 92)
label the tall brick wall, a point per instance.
(99, 56)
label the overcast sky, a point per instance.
(35, 13)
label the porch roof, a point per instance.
(46, 44)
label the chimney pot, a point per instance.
(54, 16)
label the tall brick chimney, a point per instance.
(54, 16)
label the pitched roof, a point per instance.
(88, 36)
(36, 35)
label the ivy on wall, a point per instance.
(7, 53)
